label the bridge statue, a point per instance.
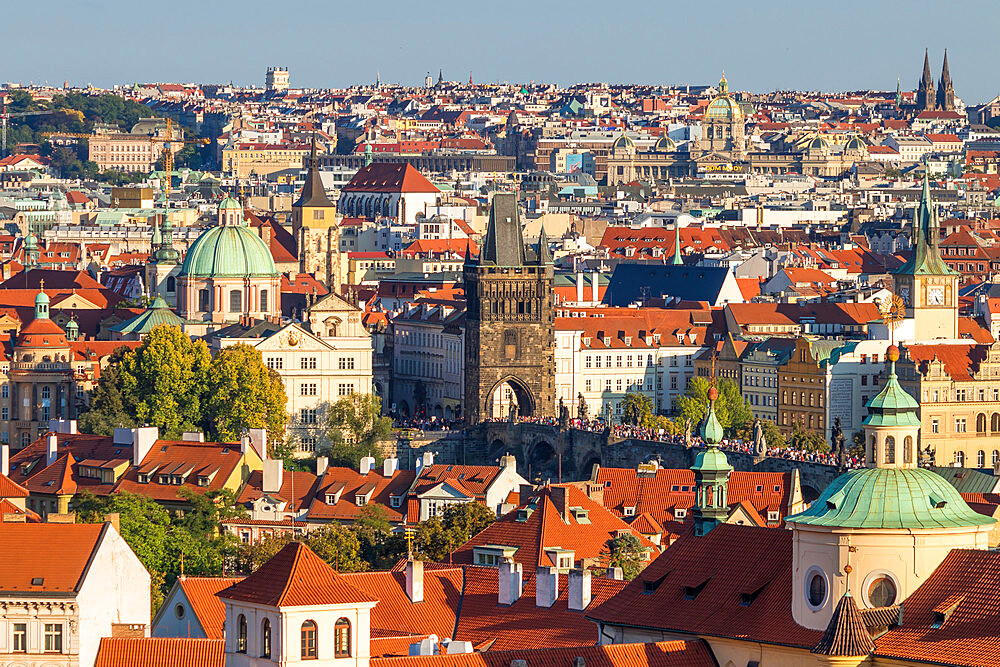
(687, 432)
(583, 408)
(512, 413)
(563, 414)
(759, 442)
(837, 446)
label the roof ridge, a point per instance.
(291, 571)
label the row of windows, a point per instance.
(980, 458)
(799, 398)
(52, 638)
(305, 363)
(309, 638)
(235, 300)
(809, 421)
(959, 395)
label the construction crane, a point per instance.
(4, 115)
(168, 154)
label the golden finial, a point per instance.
(42, 287)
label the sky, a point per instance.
(762, 45)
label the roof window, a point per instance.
(691, 592)
(37, 581)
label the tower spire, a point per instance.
(677, 261)
(711, 473)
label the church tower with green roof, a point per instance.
(711, 474)
(925, 283)
(891, 521)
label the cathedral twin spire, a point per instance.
(941, 99)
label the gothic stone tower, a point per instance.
(314, 225)
(946, 89)
(925, 89)
(510, 331)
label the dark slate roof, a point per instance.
(846, 634)
(258, 329)
(504, 244)
(640, 282)
(313, 192)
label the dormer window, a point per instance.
(680, 513)
(628, 510)
(163, 479)
(395, 501)
(360, 500)
(143, 478)
(331, 499)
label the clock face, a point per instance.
(935, 296)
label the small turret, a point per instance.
(711, 474)
(42, 304)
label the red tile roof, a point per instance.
(59, 555)
(11, 489)
(347, 482)
(689, 653)
(716, 566)
(960, 360)
(207, 608)
(962, 595)
(295, 577)
(389, 177)
(159, 652)
(545, 528)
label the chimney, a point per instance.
(115, 520)
(508, 462)
(579, 589)
(428, 458)
(140, 439)
(258, 438)
(546, 586)
(51, 447)
(579, 287)
(322, 465)
(367, 463)
(244, 443)
(614, 573)
(524, 494)
(594, 275)
(273, 474)
(389, 466)
(511, 582)
(63, 425)
(558, 496)
(193, 436)
(415, 580)
(4, 459)
(459, 647)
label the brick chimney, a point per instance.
(546, 586)
(558, 494)
(511, 582)
(579, 589)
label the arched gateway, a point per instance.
(510, 332)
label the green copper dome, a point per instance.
(157, 314)
(893, 498)
(228, 251)
(230, 203)
(893, 406)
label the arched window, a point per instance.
(309, 640)
(236, 301)
(995, 422)
(980, 459)
(342, 638)
(874, 450)
(203, 302)
(171, 284)
(263, 301)
(981, 423)
(960, 458)
(241, 634)
(890, 449)
(265, 638)
(996, 457)
(908, 449)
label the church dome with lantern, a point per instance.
(723, 107)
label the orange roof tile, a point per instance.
(158, 652)
(294, 577)
(207, 608)
(60, 554)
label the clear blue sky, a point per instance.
(762, 45)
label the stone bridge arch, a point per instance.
(497, 405)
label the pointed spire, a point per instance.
(927, 68)
(899, 94)
(677, 261)
(544, 254)
(846, 634)
(945, 74)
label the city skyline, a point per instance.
(786, 46)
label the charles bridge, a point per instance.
(547, 452)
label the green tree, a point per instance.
(431, 541)
(636, 408)
(108, 407)
(626, 552)
(354, 426)
(144, 523)
(243, 394)
(801, 438)
(730, 408)
(251, 555)
(380, 548)
(338, 546)
(165, 381)
(772, 434)
(466, 520)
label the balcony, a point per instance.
(45, 366)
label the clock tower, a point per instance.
(928, 286)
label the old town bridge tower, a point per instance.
(510, 332)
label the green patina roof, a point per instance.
(900, 498)
(925, 260)
(711, 459)
(229, 251)
(230, 203)
(893, 406)
(158, 313)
